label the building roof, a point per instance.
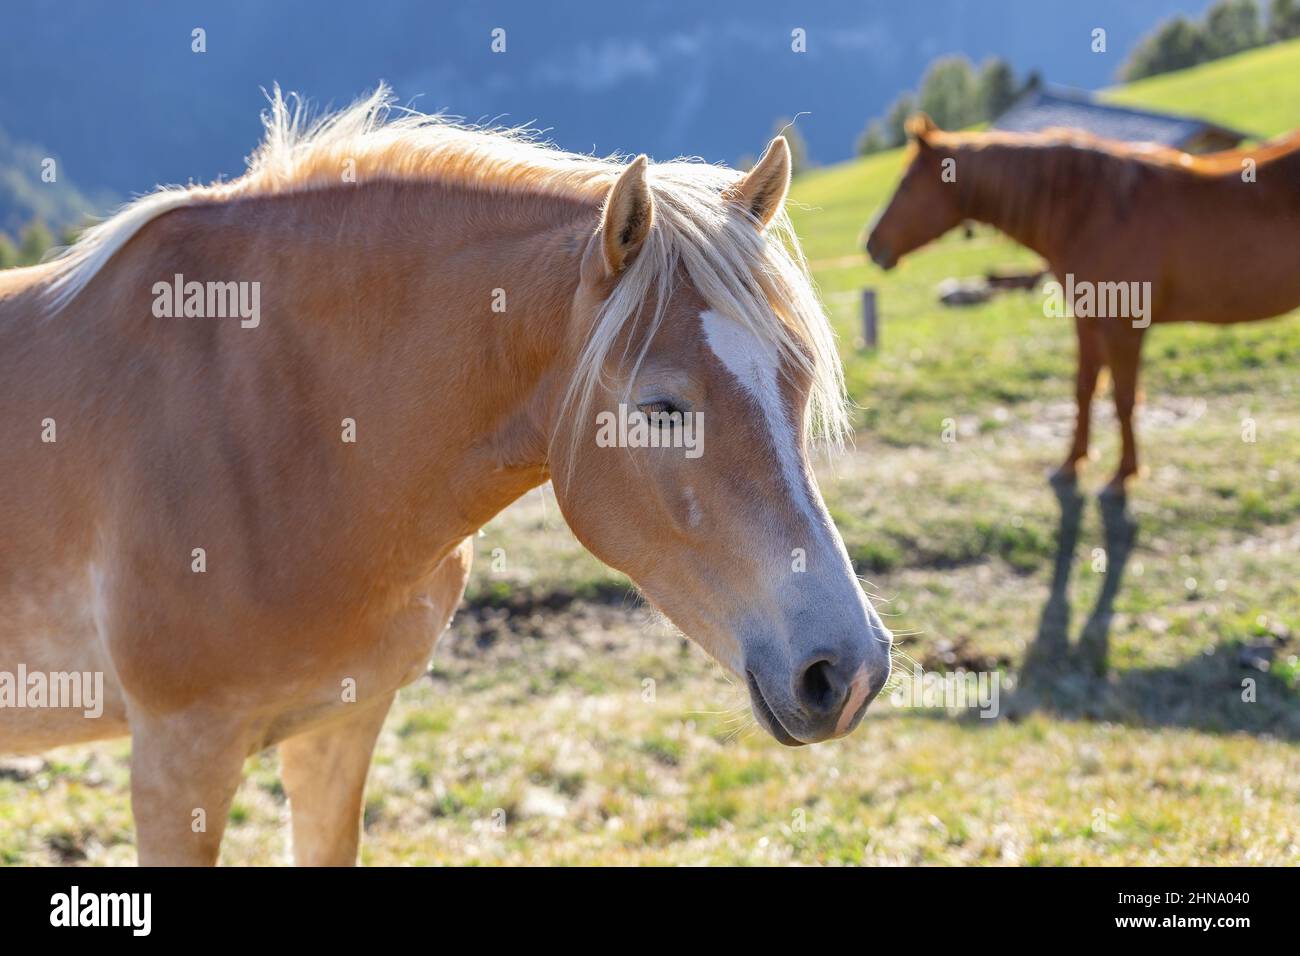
(1041, 108)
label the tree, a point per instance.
(896, 120)
(1284, 20)
(1176, 45)
(948, 93)
(35, 241)
(954, 95)
(1230, 27)
(1033, 81)
(8, 252)
(995, 89)
(872, 139)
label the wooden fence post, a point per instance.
(870, 323)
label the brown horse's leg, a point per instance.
(185, 769)
(1124, 353)
(1091, 357)
(324, 772)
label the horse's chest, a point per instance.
(389, 656)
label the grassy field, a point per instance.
(560, 724)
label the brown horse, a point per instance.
(249, 430)
(1134, 234)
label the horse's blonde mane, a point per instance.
(372, 139)
(758, 278)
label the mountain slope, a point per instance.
(1257, 92)
(128, 103)
(24, 196)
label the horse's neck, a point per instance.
(1011, 189)
(435, 319)
(1286, 165)
(485, 336)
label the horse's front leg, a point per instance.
(1091, 358)
(324, 772)
(185, 768)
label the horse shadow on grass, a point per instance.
(1211, 693)
(1051, 650)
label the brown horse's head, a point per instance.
(680, 457)
(924, 206)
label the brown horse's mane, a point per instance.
(1076, 170)
(1152, 154)
(1070, 174)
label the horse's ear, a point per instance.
(629, 213)
(761, 193)
(919, 126)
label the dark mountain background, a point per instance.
(114, 92)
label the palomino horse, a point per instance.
(1180, 237)
(255, 527)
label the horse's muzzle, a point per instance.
(828, 698)
(880, 253)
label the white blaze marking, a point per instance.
(756, 366)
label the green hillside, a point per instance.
(1256, 92)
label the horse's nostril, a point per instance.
(820, 691)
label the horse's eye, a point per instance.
(661, 412)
